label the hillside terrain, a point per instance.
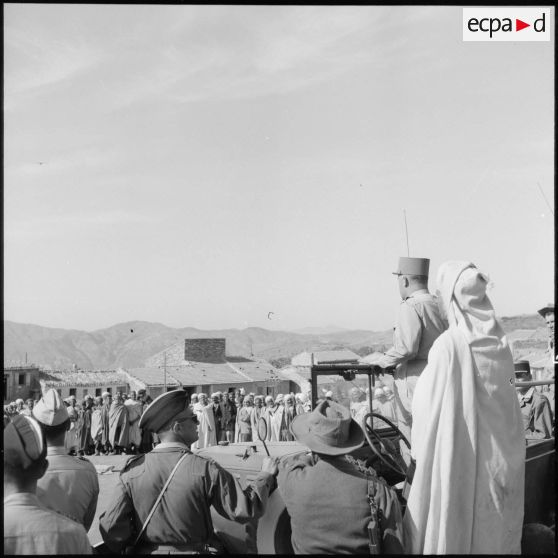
(129, 344)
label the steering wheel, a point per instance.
(387, 454)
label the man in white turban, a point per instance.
(467, 493)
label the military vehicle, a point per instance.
(272, 533)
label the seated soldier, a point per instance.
(535, 408)
(147, 518)
(358, 513)
(29, 527)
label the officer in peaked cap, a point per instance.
(419, 323)
(181, 522)
(70, 486)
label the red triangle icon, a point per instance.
(519, 25)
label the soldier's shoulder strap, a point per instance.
(374, 531)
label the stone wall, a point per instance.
(196, 350)
(204, 350)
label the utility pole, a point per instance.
(165, 370)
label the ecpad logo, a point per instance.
(506, 24)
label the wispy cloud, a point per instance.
(22, 226)
(34, 61)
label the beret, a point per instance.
(49, 410)
(24, 445)
(163, 409)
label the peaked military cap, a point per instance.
(163, 409)
(413, 266)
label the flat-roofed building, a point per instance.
(80, 383)
(198, 365)
(21, 382)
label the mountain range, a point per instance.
(129, 344)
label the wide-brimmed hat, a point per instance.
(548, 308)
(328, 429)
(522, 367)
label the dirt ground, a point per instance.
(107, 482)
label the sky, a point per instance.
(204, 166)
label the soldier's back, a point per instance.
(70, 487)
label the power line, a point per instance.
(545, 199)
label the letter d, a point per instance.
(541, 19)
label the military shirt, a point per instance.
(30, 528)
(183, 515)
(70, 486)
(418, 325)
(327, 500)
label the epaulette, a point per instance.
(131, 460)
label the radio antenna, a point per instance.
(407, 231)
(547, 203)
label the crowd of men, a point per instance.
(452, 394)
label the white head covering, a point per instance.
(50, 410)
(467, 424)
(463, 294)
(329, 394)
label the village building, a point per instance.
(80, 383)
(202, 365)
(21, 382)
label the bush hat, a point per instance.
(328, 429)
(548, 308)
(522, 367)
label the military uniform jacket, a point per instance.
(70, 486)
(327, 501)
(183, 515)
(419, 324)
(537, 415)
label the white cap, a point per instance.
(49, 410)
(329, 394)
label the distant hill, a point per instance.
(129, 344)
